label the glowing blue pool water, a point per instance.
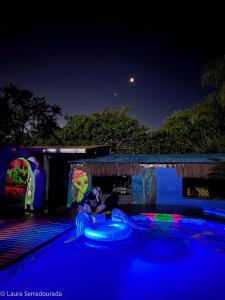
(169, 261)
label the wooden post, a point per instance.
(153, 193)
(47, 173)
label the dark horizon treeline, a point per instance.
(29, 120)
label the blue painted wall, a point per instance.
(169, 191)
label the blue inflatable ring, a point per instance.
(108, 231)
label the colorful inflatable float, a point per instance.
(96, 228)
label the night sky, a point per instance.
(83, 63)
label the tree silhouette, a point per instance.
(24, 117)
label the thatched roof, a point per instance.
(126, 169)
(156, 158)
(109, 169)
(195, 170)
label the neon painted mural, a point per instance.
(79, 185)
(20, 182)
(22, 178)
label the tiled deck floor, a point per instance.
(19, 238)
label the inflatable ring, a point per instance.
(108, 231)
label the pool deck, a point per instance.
(20, 237)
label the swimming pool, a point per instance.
(171, 260)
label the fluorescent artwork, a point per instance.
(29, 197)
(20, 182)
(79, 185)
(22, 177)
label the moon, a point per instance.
(131, 80)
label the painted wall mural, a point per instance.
(78, 186)
(148, 181)
(136, 189)
(142, 186)
(16, 180)
(22, 178)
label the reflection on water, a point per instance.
(108, 246)
(163, 250)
